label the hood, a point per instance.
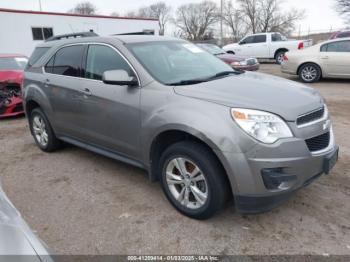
(257, 91)
(11, 76)
(231, 58)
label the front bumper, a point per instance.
(289, 160)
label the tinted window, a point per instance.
(259, 39)
(248, 40)
(13, 63)
(68, 61)
(103, 58)
(276, 38)
(342, 46)
(36, 55)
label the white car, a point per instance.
(329, 59)
(266, 46)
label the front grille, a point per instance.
(312, 116)
(318, 142)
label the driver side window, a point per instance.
(247, 40)
(101, 58)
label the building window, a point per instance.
(42, 33)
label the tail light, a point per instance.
(301, 45)
(285, 57)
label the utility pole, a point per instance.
(40, 6)
(221, 23)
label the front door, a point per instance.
(111, 112)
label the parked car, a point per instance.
(330, 59)
(206, 131)
(237, 62)
(340, 34)
(17, 240)
(11, 75)
(266, 46)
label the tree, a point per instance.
(343, 7)
(267, 15)
(251, 11)
(195, 20)
(159, 11)
(84, 8)
(233, 18)
(273, 19)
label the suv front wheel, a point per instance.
(42, 131)
(193, 180)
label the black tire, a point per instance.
(279, 55)
(218, 189)
(52, 142)
(312, 68)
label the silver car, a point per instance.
(17, 241)
(330, 59)
(207, 132)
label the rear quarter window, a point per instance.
(36, 55)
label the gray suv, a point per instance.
(207, 132)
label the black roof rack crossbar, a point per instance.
(74, 35)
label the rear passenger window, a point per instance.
(102, 58)
(67, 61)
(341, 46)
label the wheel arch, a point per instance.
(171, 136)
(280, 50)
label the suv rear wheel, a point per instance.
(42, 131)
(193, 180)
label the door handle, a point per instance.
(47, 82)
(325, 57)
(87, 91)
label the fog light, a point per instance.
(274, 179)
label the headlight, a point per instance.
(263, 126)
(241, 63)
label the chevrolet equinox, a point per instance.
(207, 132)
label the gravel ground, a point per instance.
(82, 203)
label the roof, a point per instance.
(143, 38)
(74, 15)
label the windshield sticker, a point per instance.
(193, 48)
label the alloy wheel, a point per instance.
(309, 73)
(187, 183)
(39, 129)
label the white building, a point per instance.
(21, 30)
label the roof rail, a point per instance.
(73, 35)
(145, 32)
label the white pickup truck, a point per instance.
(266, 45)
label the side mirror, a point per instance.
(241, 43)
(119, 77)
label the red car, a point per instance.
(237, 62)
(340, 34)
(11, 76)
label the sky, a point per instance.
(320, 14)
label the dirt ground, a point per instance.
(79, 202)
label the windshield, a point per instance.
(213, 49)
(13, 63)
(171, 62)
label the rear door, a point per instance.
(335, 58)
(111, 112)
(64, 83)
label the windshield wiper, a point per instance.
(225, 73)
(188, 82)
